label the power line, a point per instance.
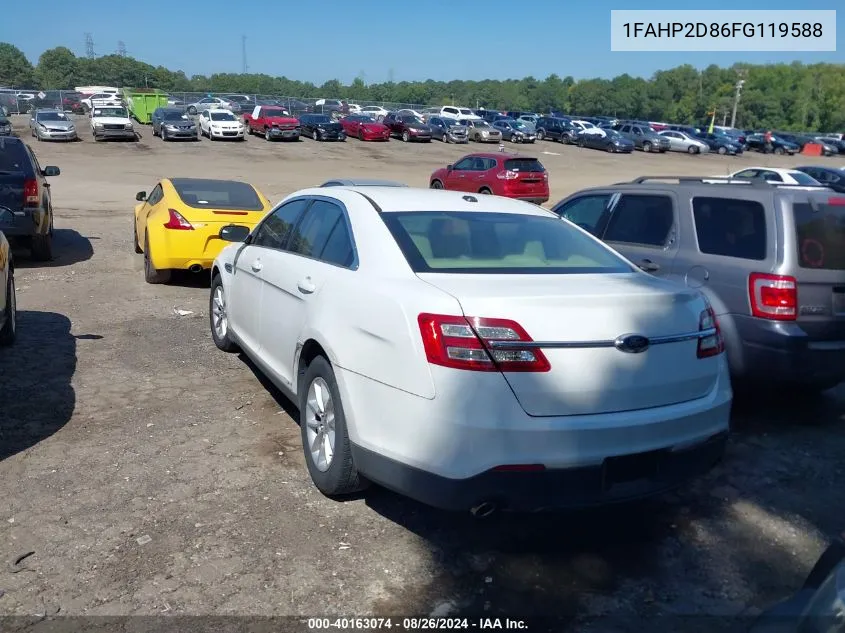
(243, 54)
(89, 46)
(121, 49)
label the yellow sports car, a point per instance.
(177, 226)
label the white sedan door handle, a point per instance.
(256, 265)
(305, 286)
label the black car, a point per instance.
(26, 210)
(721, 143)
(829, 176)
(321, 127)
(173, 123)
(556, 129)
(611, 141)
(757, 142)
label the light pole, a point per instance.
(739, 85)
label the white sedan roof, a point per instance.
(778, 170)
(395, 199)
(218, 111)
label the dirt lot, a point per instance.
(150, 473)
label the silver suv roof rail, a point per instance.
(711, 180)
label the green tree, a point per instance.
(15, 69)
(57, 69)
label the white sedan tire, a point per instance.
(325, 440)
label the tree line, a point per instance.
(796, 96)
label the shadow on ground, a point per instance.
(36, 396)
(69, 247)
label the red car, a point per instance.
(520, 177)
(365, 128)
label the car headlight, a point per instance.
(128, 126)
(96, 124)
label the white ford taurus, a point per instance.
(472, 352)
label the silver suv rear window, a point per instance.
(821, 234)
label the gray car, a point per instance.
(644, 137)
(52, 125)
(448, 130)
(769, 257)
(515, 131)
(173, 123)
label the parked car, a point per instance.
(507, 175)
(777, 175)
(5, 126)
(817, 606)
(377, 400)
(178, 225)
(582, 126)
(530, 120)
(556, 129)
(221, 124)
(408, 127)
(362, 182)
(365, 128)
(757, 143)
(611, 141)
(448, 130)
(211, 103)
(833, 141)
(481, 131)
(172, 123)
(643, 136)
(830, 177)
(331, 107)
(769, 258)
(8, 298)
(52, 125)
(412, 112)
(272, 122)
(377, 112)
(111, 123)
(321, 127)
(25, 201)
(722, 144)
(515, 131)
(683, 142)
(101, 99)
(245, 103)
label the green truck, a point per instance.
(142, 102)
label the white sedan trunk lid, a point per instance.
(599, 308)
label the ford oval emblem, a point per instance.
(631, 343)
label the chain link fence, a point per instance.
(23, 101)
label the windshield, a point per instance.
(410, 118)
(821, 235)
(275, 112)
(497, 243)
(612, 134)
(321, 118)
(115, 112)
(364, 119)
(222, 116)
(173, 116)
(217, 194)
(481, 124)
(51, 116)
(804, 179)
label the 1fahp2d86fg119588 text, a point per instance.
(748, 30)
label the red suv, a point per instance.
(520, 177)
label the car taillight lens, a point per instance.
(836, 202)
(177, 221)
(773, 297)
(464, 343)
(714, 344)
(31, 198)
(545, 175)
(507, 175)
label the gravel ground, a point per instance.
(148, 473)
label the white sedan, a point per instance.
(217, 124)
(777, 175)
(472, 352)
(377, 112)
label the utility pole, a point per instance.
(739, 85)
(243, 54)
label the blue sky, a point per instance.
(378, 39)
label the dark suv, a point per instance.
(643, 136)
(556, 129)
(769, 257)
(26, 211)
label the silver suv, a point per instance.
(769, 257)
